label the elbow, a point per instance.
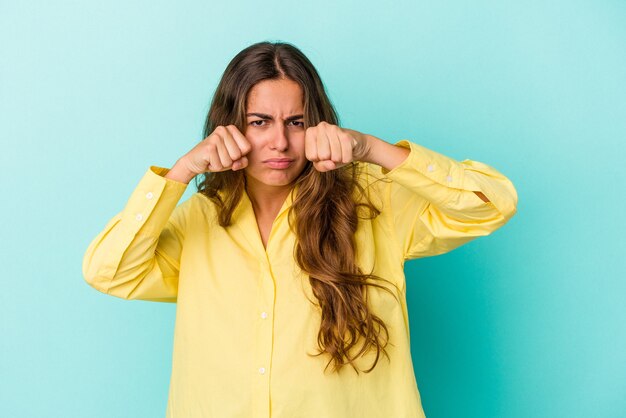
(498, 197)
(136, 285)
(94, 279)
(89, 272)
(512, 198)
(97, 277)
(499, 208)
(105, 285)
(508, 204)
(510, 213)
(104, 276)
(92, 270)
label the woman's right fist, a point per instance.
(224, 149)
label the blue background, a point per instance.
(527, 322)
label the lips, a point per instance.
(279, 163)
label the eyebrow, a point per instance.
(269, 117)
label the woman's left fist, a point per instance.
(329, 147)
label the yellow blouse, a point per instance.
(244, 318)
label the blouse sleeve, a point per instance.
(432, 204)
(137, 254)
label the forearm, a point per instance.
(180, 173)
(390, 156)
(437, 199)
(382, 153)
(136, 255)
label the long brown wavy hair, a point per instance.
(324, 214)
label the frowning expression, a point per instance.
(275, 130)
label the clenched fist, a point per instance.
(329, 147)
(224, 149)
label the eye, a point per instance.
(297, 121)
(253, 123)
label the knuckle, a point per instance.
(213, 138)
(235, 155)
(310, 155)
(246, 148)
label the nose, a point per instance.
(279, 140)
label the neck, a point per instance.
(267, 200)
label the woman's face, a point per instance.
(275, 130)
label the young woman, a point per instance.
(287, 264)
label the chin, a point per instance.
(273, 179)
(280, 182)
(277, 178)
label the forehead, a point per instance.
(275, 96)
